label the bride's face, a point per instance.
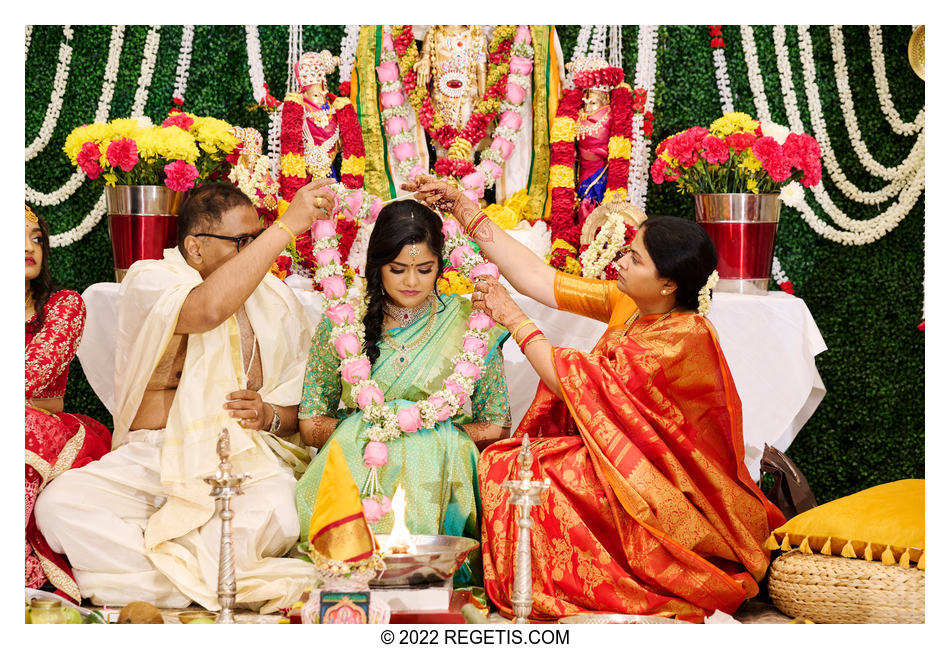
(410, 277)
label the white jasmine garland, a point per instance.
(605, 246)
(851, 119)
(755, 75)
(184, 61)
(722, 79)
(883, 89)
(56, 97)
(348, 51)
(777, 273)
(705, 293)
(29, 36)
(273, 141)
(150, 52)
(598, 42)
(57, 196)
(615, 58)
(85, 227)
(255, 65)
(785, 80)
(580, 48)
(644, 77)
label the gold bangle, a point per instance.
(535, 339)
(520, 325)
(285, 228)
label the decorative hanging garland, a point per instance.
(851, 119)
(399, 52)
(348, 57)
(29, 36)
(255, 65)
(645, 78)
(580, 47)
(60, 195)
(781, 278)
(55, 105)
(898, 125)
(722, 72)
(150, 52)
(184, 62)
(610, 238)
(755, 74)
(85, 227)
(598, 42)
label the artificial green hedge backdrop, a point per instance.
(867, 300)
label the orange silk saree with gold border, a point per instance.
(651, 509)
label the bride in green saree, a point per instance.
(412, 334)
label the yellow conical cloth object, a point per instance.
(338, 529)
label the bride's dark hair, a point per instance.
(399, 224)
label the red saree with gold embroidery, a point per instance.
(651, 509)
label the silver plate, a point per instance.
(617, 618)
(436, 559)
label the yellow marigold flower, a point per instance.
(733, 123)
(213, 134)
(561, 176)
(282, 206)
(562, 130)
(518, 202)
(293, 164)
(503, 216)
(452, 282)
(618, 147)
(125, 127)
(353, 165)
(752, 185)
(572, 266)
(561, 243)
(610, 193)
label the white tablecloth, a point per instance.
(770, 343)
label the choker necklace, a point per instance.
(403, 315)
(636, 316)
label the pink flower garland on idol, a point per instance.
(348, 339)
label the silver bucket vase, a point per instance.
(742, 227)
(143, 221)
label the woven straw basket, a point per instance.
(836, 590)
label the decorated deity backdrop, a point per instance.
(866, 299)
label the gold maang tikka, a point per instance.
(31, 216)
(413, 251)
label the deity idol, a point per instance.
(453, 66)
(593, 130)
(315, 126)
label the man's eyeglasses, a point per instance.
(241, 242)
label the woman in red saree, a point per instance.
(651, 510)
(55, 440)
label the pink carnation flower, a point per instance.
(123, 153)
(180, 176)
(88, 160)
(716, 152)
(323, 229)
(181, 120)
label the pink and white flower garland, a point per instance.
(492, 160)
(348, 338)
(396, 111)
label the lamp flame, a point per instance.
(400, 539)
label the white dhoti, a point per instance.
(140, 523)
(98, 514)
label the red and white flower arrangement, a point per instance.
(348, 339)
(734, 156)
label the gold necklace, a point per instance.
(636, 316)
(401, 358)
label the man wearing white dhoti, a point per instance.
(207, 339)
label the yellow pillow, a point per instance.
(879, 524)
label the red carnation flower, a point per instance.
(716, 151)
(787, 287)
(181, 120)
(123, 153)
(180, 176)
(88, 160)
(178, 101)
(739, 142)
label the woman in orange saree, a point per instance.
(651, 510)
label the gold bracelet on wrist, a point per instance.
(285, 228)
(514, 332)
(535, 339)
